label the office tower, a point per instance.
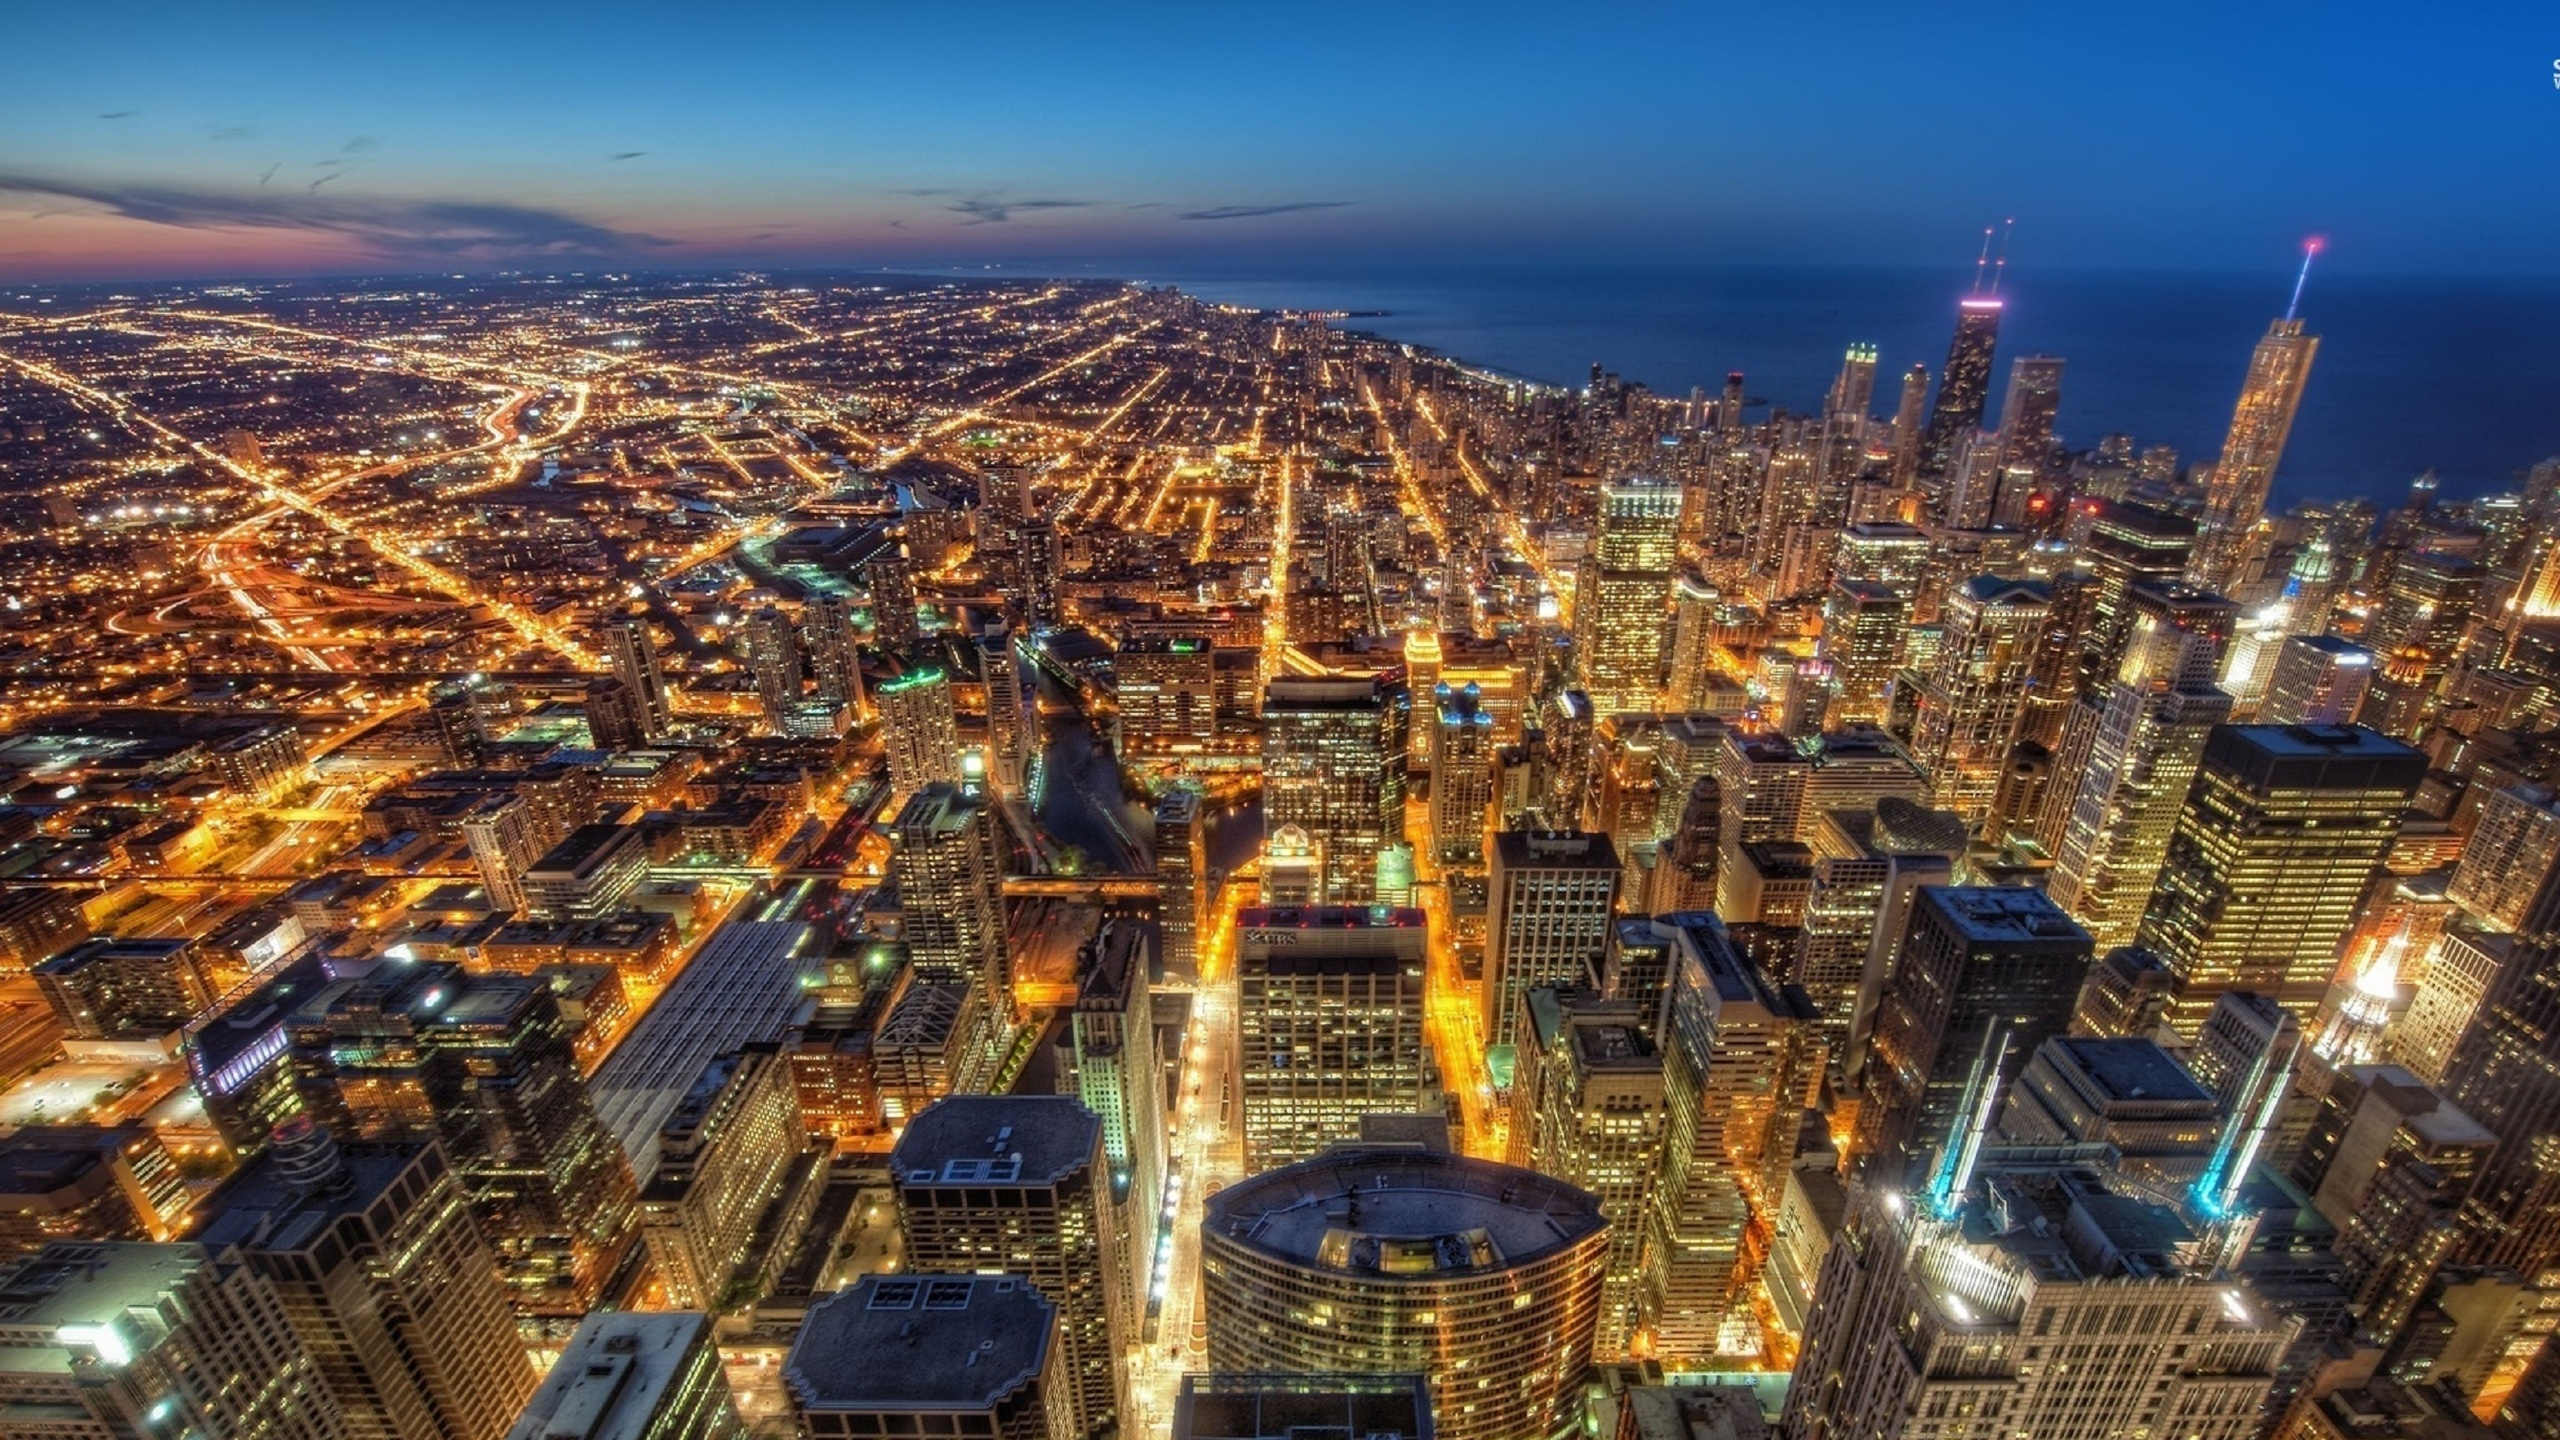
(1329, 1013)
(1462, 748)
(1182, 896)
(1167, 696)
(2126, 1093)
(890, 576)
(723, 1156)
(832, 636)
(1972, 698)
(2317, 680)
(587, 874)
(118, 987)
(2457, 980)
(1907, 426)
(1963, 389)
(2026, 416)
(137, 1342)
(1403, 1262)
(615, 720)
(772, 646)
(980, 1355)
(634, 657)
(1296, 1407)
(383, 1278)
(1019, 1185)
(742, 986)
(1037, 567)
(483, 1065)
(1332, 765)
(1742, 1059)
(2127, 546)
(2513, 849)
(1853, 391)
(458, 723)
(950, 878)
(1011, 737)
(1949, 1317)
(1864, 625)
(1589, 1106)
(1867, 865)
(1691, 660)
(87, 1182)
(2389, 1164)
(2126, 995)
(1549, 900)
(2236, 490)
(1686, 863)
(1120, 1075)
(2130, 752)
(2269, 859)
(1984, 973)
(2430, 601)
(635, 1376)
(1623, 593)
(918, 727)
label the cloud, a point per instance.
(626, 154)
(118, 114)
(323, 180)
(359, 144)
(231, 132)
(270, 175)
(437, 231)
(1253, 212)
(985, 209)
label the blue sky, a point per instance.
(142, 139)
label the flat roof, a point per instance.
(1402, 1214)
(997, 1140)
(742, 986)
(610, 1381)
(905, 1343)
(2133, 1069)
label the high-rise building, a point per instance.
(1332, 765)
(1329, 1013)
(1972, 698)
(2236, 492)
(1963, 390)
(2268, 862)
(1550, 898)
(918, 725)
(2389, 1163)
(1120, 1077)
(1482, 1277)
(1984, 973)
(1462, 749)
(122, 987)
(1961, 1315)
(1624, 593)
(635, 663)
(1742, 1059)
(978, 1355)
(2027, 413)
(1589, 1105)
(1853, 391)
(482, 1064)
(1182, 896)
(723, 1157)
(87, 1182)
(773, 655)
(2513, 850)
(890, 576)
(1867, 865)
(1907, 428)
(1019, 1185)
(140, 1341)
(1010, 734)
(384, 1280)
(950, 877)
(631, 1375)
(2127, 546)
(831, 633)
(1292, 1407)
(1864, 627)
(1166, 696)
(2439, 1015)
(2130, 751)
(2318, 680)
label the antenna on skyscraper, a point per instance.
(1982, 260)
(2310, 248)
(2001, 265)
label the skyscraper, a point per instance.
(950, 877)
(1333, 765)
(833, 641)
(1462, 749)
(1181, 882)
(1329, 1015)
(1964, 389)
(2236, 492)
(2318, 680)
(1550, 898)
(1019, 1185)
(628, 1375)
(1867, 866)
(1590, 1105)
(2269, 859)
(635, 663)
(1482, 1277)
(1907, 434)
(1974, 694)
(979, 1355)
(918, 726)
(773, 654)
(1864, 626)
(1624, 593)
(2027, 413)
(1010, 734)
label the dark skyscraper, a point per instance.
(1963, 391)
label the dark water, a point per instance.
(2459, 376)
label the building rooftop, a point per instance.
(1302, 1407)
(1029, 1140)
(617, 1370)
(292, 1194)
(908, 1343)
(743, 986)
(1995, 915)
(2133, 1070)
(1402, 1214)
(86, 1294)
(1554, 850)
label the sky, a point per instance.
(179, 140)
